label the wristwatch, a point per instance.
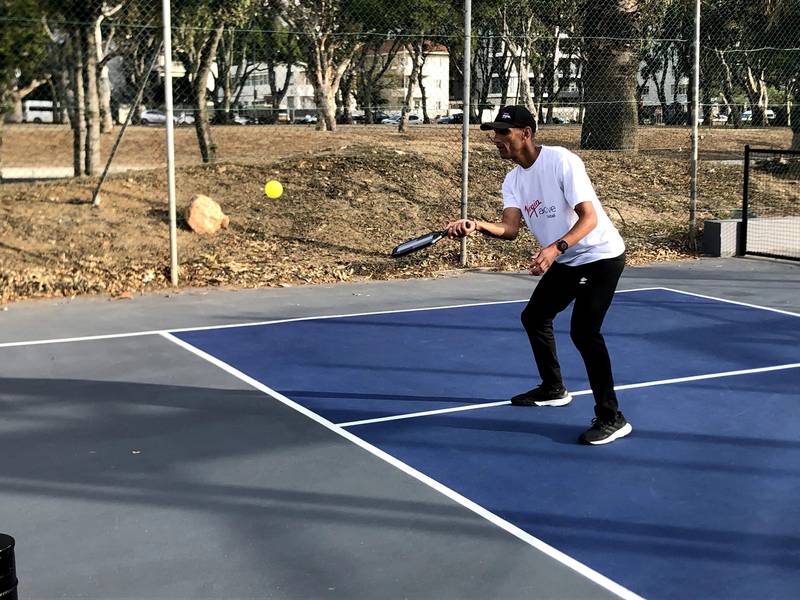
(562, 246)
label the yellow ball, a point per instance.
(273, 189)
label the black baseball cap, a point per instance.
(511, 116)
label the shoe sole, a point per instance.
(619, 433)
(556, 402)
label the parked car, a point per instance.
(37, 111)
(159, 117)
(242, 120)
(718, 119)
(307, 119)
(556, 120)
(182, 119)
(747, 115)
(379, 116)
(412, 120)
(153, 117)
(454, 119)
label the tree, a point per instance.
(371, 63)
(423, 24)
(22, 53)
(201, 26)
(520, 27)
(133, 36)
(611, 31)
(783, 28)
(22, 50)
(278, 47)
(329, 45)
(557, 46)
(75, 22)
(660, 30)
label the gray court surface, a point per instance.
(130, 468)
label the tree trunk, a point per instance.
(756, 90)
(610, 119)
(734, 111)
(705, 105)
(329, 109)
(795, 117)
(552, 85)
(425, 118)
(104, 95)
(79, 107)
(320, 102)
(208, 150)
(92, 114)
(366, 103)
(661, 85)
(504, 74)
(103, 82)
(415, 51)
(17, 95)
(2, 120)
(326, 76)
(346, 94)
(523, 79)
(525, 96)
(278, 93)
(481, 73)
(324, 96)
(225, 56)
(58, 87)
(16, 113)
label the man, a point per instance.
(581, 258)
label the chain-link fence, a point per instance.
(256, 82)
(770, 224)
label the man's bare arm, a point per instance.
(506, 229)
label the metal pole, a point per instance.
(741, 240)
(695, 113)
(465, 122)
(173, 234)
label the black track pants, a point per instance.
(592, 288)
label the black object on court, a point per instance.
(423, 241)
(8, 572)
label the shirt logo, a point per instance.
(530, 209)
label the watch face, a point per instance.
(562, 246)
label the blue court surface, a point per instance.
(700, 501)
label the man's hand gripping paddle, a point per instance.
(424, 241)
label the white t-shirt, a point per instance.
(547, 193)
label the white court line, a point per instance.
(627, 386)
(777, 310)
(543, 547)
(111, 336)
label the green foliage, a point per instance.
(22, 44)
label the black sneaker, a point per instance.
(543, 396)
(605, 432)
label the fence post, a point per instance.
(741, 244)
(694, 114)
(173, 235)
(465, 122)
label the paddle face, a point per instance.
(423, 241)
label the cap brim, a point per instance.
(495, 125)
